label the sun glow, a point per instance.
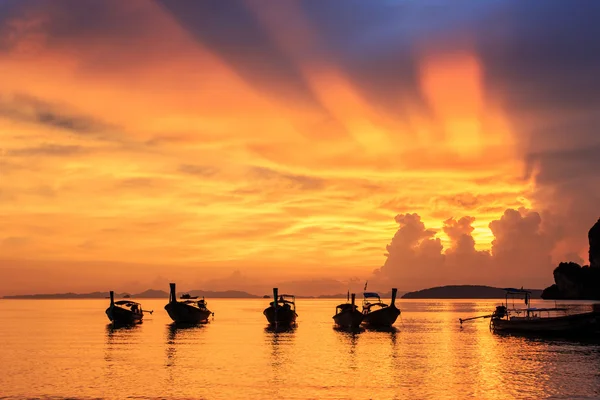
(176, 157)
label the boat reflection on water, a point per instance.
(349, 338)
(353, 330)
(180, 336)
(117, 335)
(281, 341)
(119, 339)
(387, 329)
(280, 329)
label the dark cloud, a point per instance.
(198, 170)
(14, 241)
(542, 62)
(48, 150)
(301, 182)
(470, 201)
(543, 58)
(33, 110)
(140, 183)
(231, 31)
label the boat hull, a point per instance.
(283, 317)
(182, 313)
(118, 315)
(349, 319)
(384, 317)
(584, 323)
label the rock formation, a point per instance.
(594, 239)
(574, 282)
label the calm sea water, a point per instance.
(64, 348)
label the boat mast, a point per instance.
(172, 295)
(394, 292)
(275, 290)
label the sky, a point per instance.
(314, 145)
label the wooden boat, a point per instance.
(540, 321)
(124, 312)
(379, 314)
(282, 310)
(347, 315)
(189, 311)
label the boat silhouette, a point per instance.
(378, 314)
(539, 320)
(189, 311)
(347, 314)
(124, 312)
(282, 310)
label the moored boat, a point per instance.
(347, 315)
(189, 311)
(377, 313)
(282, 310)
(124, 312)
(540, 320)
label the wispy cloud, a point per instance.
(239, 136)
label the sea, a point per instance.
(56, 349)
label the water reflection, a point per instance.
(120, 344)
(388, 329)
(587, 339)
(281, 341)
(180, 336)
(429, 356)
(117, 337)
(280, 328)
(349, 339)
(341, 329)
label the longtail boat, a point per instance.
(188, 311)
(282, 310)
(378, 314)
(347, 314)
(124, 312)
(539, 320)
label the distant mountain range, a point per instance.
(148, 294)
(441, 292)
(464, 292)
(161, 294)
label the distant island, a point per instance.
(161, 294)
(463, 292)
(148, 294)
(576, 282)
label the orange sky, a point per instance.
(152, 149)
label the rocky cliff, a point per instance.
(594, 239)
(576, 282)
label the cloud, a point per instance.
(520, 253)
(314, 121)
(232, 32)
(521, 244)
(30, 109)
(287, 180)
(414, 256)
(198, 170)
(52, 150)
